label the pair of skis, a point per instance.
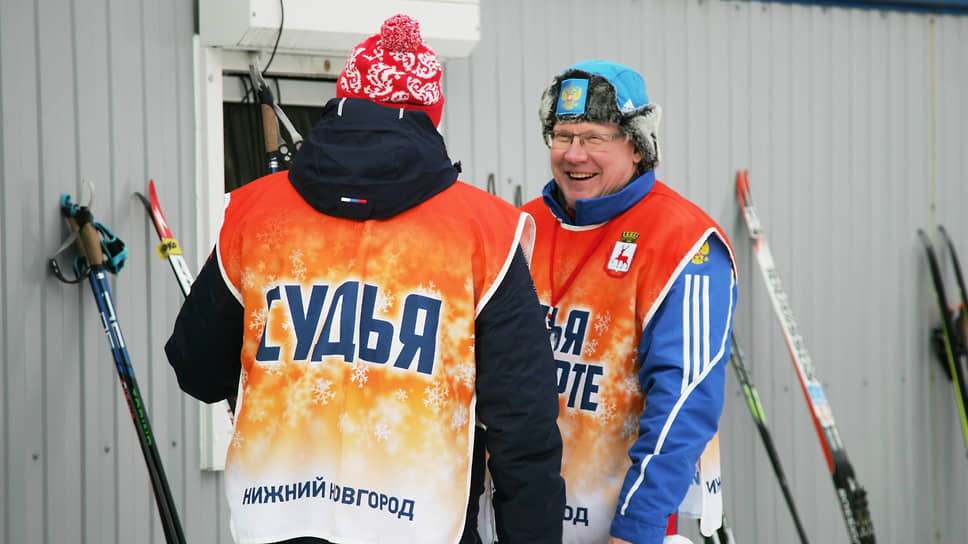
(953, 348)
(89, 237)
(852, 497)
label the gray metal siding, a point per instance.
(99, 91)
(851, 122)
(831, 110)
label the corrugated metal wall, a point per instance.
(102, 91)
(852, 125)
(850, 121)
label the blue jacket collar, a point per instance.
(594, 211)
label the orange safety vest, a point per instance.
(625, 267)
(356, 407)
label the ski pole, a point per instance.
(92, 263)
(275, 147)
(723, 535)
(759, 418)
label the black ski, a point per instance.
(962, 317)
(852, 497)
(171, 251)
(723, 535)
(759, 418)
(101, 252)
(953, 341)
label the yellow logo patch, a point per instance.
(702, 255)
(570, 96)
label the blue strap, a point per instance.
(114, 249)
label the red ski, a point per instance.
(170, 250)
(852, 497)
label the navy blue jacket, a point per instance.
(394, 164)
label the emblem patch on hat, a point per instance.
(572, 98)
(621, 259)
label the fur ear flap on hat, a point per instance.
(643, 125)
(605, 92)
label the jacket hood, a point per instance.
(367, 161)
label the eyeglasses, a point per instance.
(590, 141)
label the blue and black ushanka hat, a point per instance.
(602, 91)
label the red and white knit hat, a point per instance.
(395, 68)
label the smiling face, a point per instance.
(582, 174)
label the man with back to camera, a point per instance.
(381, 317)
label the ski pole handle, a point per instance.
(88, 242)
(270, 129)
